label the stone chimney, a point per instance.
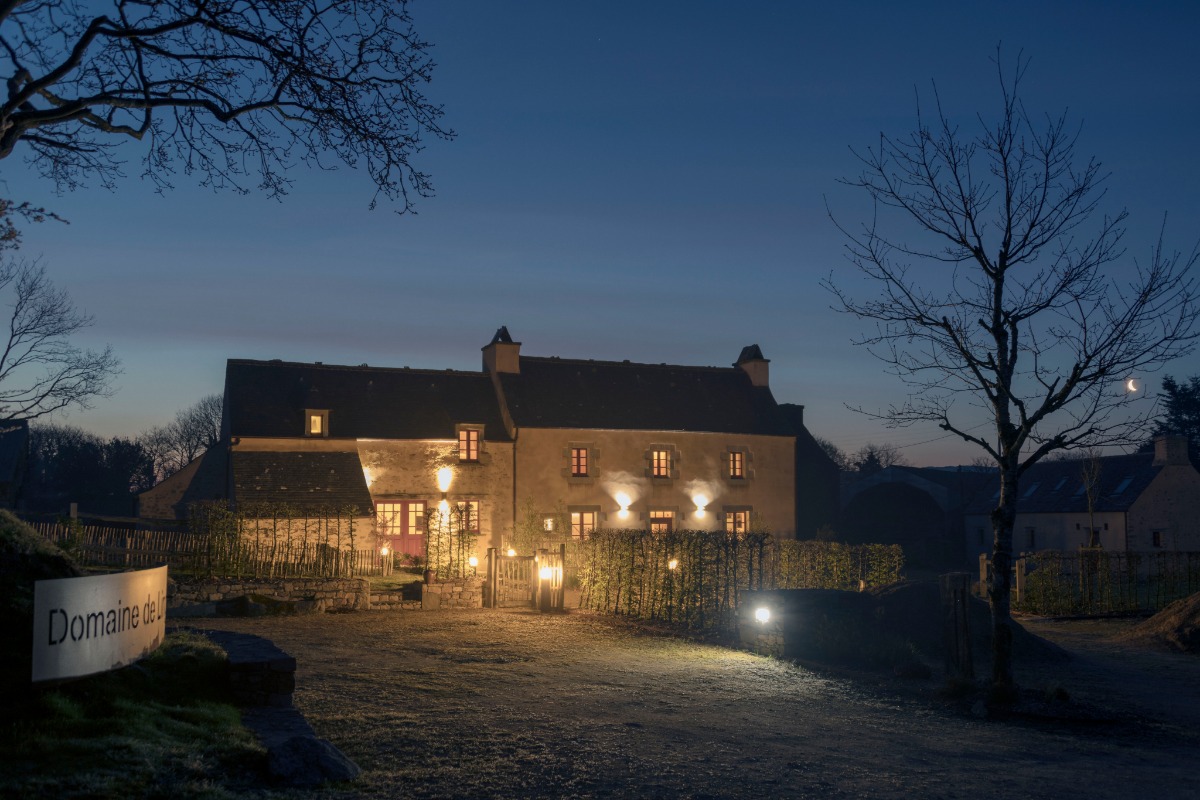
(1170, 451)
(752, 362)
(502, 354)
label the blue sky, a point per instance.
(630, 180)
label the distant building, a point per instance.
(594, 443)
(919, 508)
(14, 461)
(1143, 502)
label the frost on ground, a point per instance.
(516, 704)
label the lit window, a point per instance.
(468, 444)
(660, 463)
(737, 521)
(737, 465)
(317, 422)
(583, 523)
(579, 462)
(662, 521)
(394, 519)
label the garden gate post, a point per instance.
(489, 584)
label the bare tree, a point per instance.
(835, 453)
(40, 370)
(872, 458)
(193, 431)
(996, 300)
(226, 89)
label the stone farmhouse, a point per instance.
(586, 444)
(1143, 502)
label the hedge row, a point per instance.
(693, 577)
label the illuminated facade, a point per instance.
(590, 443)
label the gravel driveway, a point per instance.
(515, 704)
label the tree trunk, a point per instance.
(999, 591)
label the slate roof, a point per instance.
(268, 398)
(566, 393)
(308, 480)
(1056, 487)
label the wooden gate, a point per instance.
(525, 581)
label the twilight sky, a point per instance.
(631, 180)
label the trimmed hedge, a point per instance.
(693, 578)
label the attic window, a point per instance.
(1033, 487)
(1123, 485)
(1060, 483)
(316, 422)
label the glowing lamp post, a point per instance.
(673, 564)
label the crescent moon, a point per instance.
(1131, 386)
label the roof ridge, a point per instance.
(623, 363)
(275, 362)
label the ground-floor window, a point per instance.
(737, 520)
(583, 522)
(402, 525)
(662, 521)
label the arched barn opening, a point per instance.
(896, 513)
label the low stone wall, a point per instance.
(393, 601)
(329, 593)
(460, 593)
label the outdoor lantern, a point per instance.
(473, 562)
(511, 552)
(673, 564)
(762, 614)
(623, 500)
(545, 573)
(444, 476)
(701, 502)
(383, 551)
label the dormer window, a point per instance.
(468, 443)
(316, 422)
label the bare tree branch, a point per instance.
(224, 89)
(1003, 298)
(40, 370)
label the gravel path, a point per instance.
(513, 704)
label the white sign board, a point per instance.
(86, 625)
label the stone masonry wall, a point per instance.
(330, 593)
(461, 593)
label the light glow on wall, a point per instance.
(701, 501)
(445, 476)
(368, 477)
(624, 501)
(763, 614)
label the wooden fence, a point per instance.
(128, 548)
